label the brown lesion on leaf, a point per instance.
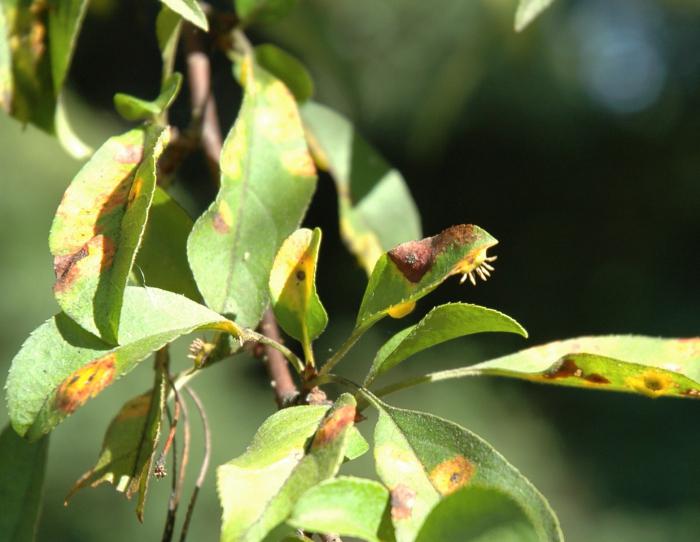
(128, 154)
(334, 425)
(415, 258)
(595, 378)
(451, 474)
(403, 499)
(92, 258)
(85, 383)
(565, 368)
(222, 220)
(692, 392)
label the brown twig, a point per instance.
(205, 120)
(205, 462)
(277, 366)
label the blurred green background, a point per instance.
(576, 143)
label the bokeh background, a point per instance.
(575, 143)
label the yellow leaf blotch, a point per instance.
(85, 383)
(234, 151)
(651, 383)
(223, 218)
(292, 274)
(402, 309)
(450, 475)
(297, 162)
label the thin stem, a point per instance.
(277, 367)
(177, 481)
(308, 352)
(205, 462)
(344, 349)
(431, 377)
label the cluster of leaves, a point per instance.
(134, 273)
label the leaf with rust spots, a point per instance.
(61, 365)
(259, 489)
(85, 383)
(99, 225)
(375, 207)
(412, 270)
(441, 324)
(422, 458)
(267, 180)
(625, 363)
(22, 469)
(37, 40)
(296, 304)
(347, 506)
(129, 446)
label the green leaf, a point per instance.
(61, 365)
(295, 301)
(627, 363)
(65, 19)
(528, 10)
(267, 181)
(168, 27)
(263, 11)
(356, 446)
(258, 490)
(287, 69)
(422, 458)
(162, 259)
(130, 445)
(441, 324)
(98, 227)
(346, 506)
(190, 10)
(134, 109)
(413, 269)
(376, 209)
(22, 467)
(478, 514)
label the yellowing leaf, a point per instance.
(293, 286)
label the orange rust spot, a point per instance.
(415, 258)
(451, 474)
(85, 383)
(692, 392)
(564, 369)
(334, 425)
(129, 154)
(92, 258)
(403, 498)
(135, 191)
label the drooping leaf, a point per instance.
(132, 108)
(413, 269)
(478, 514)
(295, 301)
(528, 11)
(287, 69)
(441, 324)
(346, 506)
(22, 467)
(129, 445)
(263, 11)
(258, 490)
(34, 68)
(168, 27)
(267, 181)
(65, 19)
(422, 458)
(376, 209)
(98, 227)
(190, 10)
(162, 259)
(61, 365)
(627, 363)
